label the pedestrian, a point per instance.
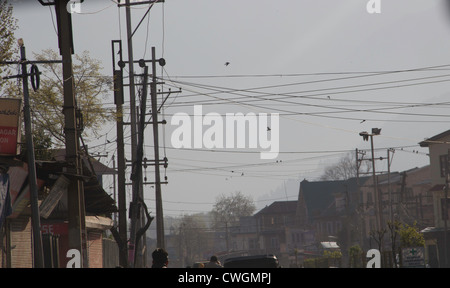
(160, 258)
(213, 263)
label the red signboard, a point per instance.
(55, 228)
(9, 125)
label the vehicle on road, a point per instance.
(256, 261)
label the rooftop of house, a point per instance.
(279, 207)
(435, 138)
(320, 196)
(99, 168)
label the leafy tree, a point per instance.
(355, 257)
(410, 236)
(334, 257)
(90, 87)
(8, 24)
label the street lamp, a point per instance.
(366, 135)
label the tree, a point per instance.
(8, 24)
(191, 238)
(378, 236)
(394, 227)
(228, 209)
(355, 257)
(90, 87)
(344, 169)
(410, 236)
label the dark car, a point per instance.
(257, 261)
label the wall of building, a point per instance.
(436, 150)
(95, 249)
(21, 246)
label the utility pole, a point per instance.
(160, 242)
(378, 208)
(35, 216)
(391, 212)
(375, 187)
(445, 214)
(135, 209)
(38, 251)
(121, 191)
(136, 177)
(32, 176)
(76, 213)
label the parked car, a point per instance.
(257, 261)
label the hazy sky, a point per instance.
(321, 64)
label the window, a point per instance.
(371, 225)
(443, 164)
(330, 228)
(338, 226)
(444, 212)
(409, 193)
(429, 197)
(252, 244)
(275, 243)
(340, 203)
(369, 198)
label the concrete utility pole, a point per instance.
(159, 207)
(76, 213)
(35, 216)
(121, 191)
(35, 213)
(137, 190)
(391, 211)
(445, 214)
(378, 208)
(75, 197)
(135, 193)
(136, 177)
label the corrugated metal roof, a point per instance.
(329, 245)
